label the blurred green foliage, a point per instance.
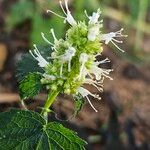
(35, 10)
(41, 22)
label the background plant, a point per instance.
(133, 12)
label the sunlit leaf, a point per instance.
(27, 130)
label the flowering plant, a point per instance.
(64, 66)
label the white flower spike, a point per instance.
(73, 59)
(36, 55)
(69, 18)
(110, 37)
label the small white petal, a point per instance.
(110, 37)
(83, 59)
(66, 57)
(49, 77)
(36, 55)
(93, 32)
(69, 17)
(94, 18)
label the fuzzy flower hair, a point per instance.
(74, 58)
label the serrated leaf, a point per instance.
(27, 64)
(79, 102)
(30, 86)
(27, 130)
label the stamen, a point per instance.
(45, 39)
(37, 56)
(32, 54)
(60, 2)
(110, 37)
(55, 14)
(91, 104)
(117, 40)
(35, 47)
(53, 34)
(94, 83)
(118, 47)
(102, 61)
(86, 13)
(66, 4)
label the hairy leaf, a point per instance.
(30, 85)
(27, 130)
(26, 65)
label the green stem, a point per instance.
(50, 99)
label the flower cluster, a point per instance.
(73, 60)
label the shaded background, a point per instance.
(123, 120)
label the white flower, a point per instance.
(94, 25)
(98, 72)
(110, 37)
(69, 18)
(49, 77)
(84, 92)
(93, 32)
(66, 57)
(83, 59)
(97, 84)
(94, 18)
(36, 54)
(87, 74)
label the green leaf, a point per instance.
(30, 85)
(79, 102)
(27, 130)
(28, 64)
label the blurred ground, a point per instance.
(123, 119)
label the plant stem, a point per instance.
(141, 18)
(50, 99)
